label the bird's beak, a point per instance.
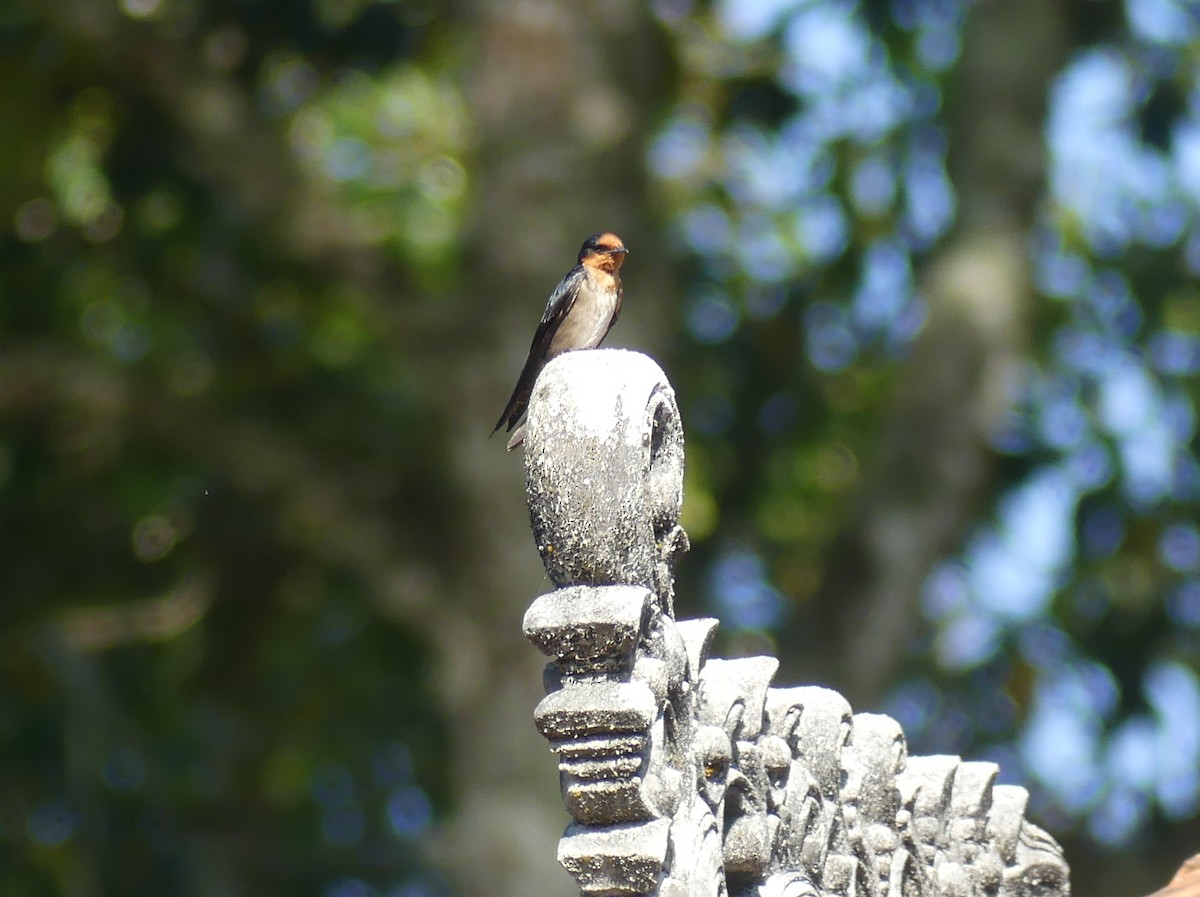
(622, 251)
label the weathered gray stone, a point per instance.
(578, 624)
(627, 707)
(688, 776)
(604, 471)
(698, 636)
(735, 694)
(616, 860)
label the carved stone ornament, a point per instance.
(692, 776)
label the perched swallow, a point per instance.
(581, 311)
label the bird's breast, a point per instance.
(588, 321)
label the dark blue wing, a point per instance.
(557, 308)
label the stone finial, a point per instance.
(687, 776)
(604, 471)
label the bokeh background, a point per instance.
(923, 274)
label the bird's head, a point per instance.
(604, 251)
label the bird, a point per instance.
(580, 312)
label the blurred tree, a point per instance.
(967, 213)
(563, 99)
(923, 273)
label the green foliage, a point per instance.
(253, 258)
(203, 690)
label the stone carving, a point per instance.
(687, 775)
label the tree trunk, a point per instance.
(933, 471)
(563, 96)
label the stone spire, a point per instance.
(691, 776)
